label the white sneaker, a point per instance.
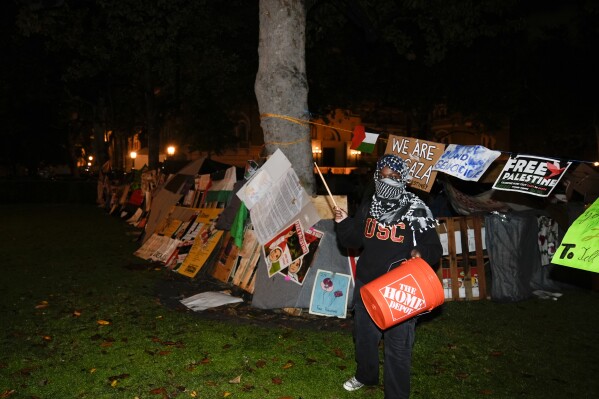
(352, 384)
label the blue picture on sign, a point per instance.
(329, 294)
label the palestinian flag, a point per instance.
(362, 140)
(222, 190)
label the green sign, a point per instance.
(580, 246)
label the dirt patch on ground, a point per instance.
(172, 287)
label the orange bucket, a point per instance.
(404, 292)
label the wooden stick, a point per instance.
(326, 186)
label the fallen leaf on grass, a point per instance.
(47, 338)
(462, 376)
(25, 371)
(235, 380)
(227, 394)
(7, 393)
(339, 353)
(159, 391)
(288, 365)
(486, 392)
(76, 313)
(260, 363)
(103, 322)
(164, 353)
(106, 344)
(247, 388)
(42, 305)
(277, 381)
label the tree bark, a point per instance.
(282, 86)
(153, 133)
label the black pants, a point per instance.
(398, 344)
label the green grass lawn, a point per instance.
(77, 323)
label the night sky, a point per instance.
(66, 60)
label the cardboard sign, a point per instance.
(330, 294)
(580, 246)
(420, 155)
(204, 243)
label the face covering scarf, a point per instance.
(392, 203)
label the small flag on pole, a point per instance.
(362, 140)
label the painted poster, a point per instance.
(284, 248)
(530, 174)
(420, 155)
(206, 239)
(329, 294)
(297, 270)
(466, 162)
(580, 246)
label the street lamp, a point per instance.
(170, 150)
(133, 155)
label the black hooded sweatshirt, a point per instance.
(383, 246)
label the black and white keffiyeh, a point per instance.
(392, 203)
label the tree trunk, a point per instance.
(282, 86)
(153, 134)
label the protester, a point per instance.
(394, 225)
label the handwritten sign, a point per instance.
(466, 162)
(580, 246)
(420, 155)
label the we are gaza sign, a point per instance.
(420, 156)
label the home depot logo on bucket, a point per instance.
(402, 293)
(404, 297)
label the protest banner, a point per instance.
(466, 162)
(330, 294)
(284, 248)
(204, 244)
(275, 198)
(298, 269)
(530, 174)
(580, 247)
(420, 156)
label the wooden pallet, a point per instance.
(463, 274)
(238, 265)
(244, 275)
(226, 260)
